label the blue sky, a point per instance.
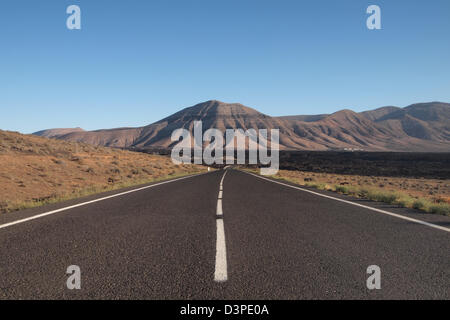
(135, 62)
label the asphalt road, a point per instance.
(270, 241)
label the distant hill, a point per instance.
(419, 127)
(52, 133)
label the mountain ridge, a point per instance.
(417, 127)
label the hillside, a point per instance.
(419, 127)
(51, 133)
(37, 170)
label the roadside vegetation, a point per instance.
(36, 171)
(428, 195)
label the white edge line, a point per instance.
(9, 224)
(357, 204)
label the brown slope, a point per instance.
(52, 133)
(425, 121)
(36, 170)
(117, 138)
(343, 129)
(376, 114)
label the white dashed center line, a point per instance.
(221, 273)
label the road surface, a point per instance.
(226, 234)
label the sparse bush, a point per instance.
(363, 193)
(418, 204)
(405, 201)
(381, 196)
(440, 209)
(341, 189)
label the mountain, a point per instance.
(52, 133)
(419, 127)
(116, 138)
(425, 121)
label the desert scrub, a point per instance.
(79, 192)
(341, 189)
(382, 196)
(402, 192)
(37, 171)
(440, 208)
(418, 204)
(320, 186)
(405, 201)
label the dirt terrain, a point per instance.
(36, 171)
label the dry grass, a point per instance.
(429, 195)
(35, 171)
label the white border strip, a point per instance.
(93, 201)
(431, 225)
